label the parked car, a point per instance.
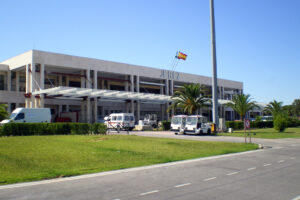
(29, 115)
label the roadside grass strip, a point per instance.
(267, 133)
(32, 158)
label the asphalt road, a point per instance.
(271, 173)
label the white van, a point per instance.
(120, 121)
(197, 124)
(29, 115)
(178, 123)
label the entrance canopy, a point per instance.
(81, 93)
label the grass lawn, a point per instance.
(270, 133)
(28, 158)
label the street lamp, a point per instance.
(214, 66)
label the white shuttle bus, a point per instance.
(197, 124)
(29, 115)
(178, 123)
(120, 121)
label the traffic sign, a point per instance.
(247, 124)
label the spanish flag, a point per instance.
(181, 55)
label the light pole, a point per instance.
(214, 65)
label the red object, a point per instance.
(247, 124)
(63, 119)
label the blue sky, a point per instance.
(258, 41)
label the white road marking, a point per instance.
(280, 161)
(182, 185)
(209, 179)
(232, 173)
(268, 164)
(151, 192)
(292, 158)
(252, 168)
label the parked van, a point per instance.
(120, 121)
(178, 123)
(29, 115)
(197, 124)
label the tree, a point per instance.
(279, 114)
(242, 103)
(296, 107)
(274, 108)
(3, 112)
(189, 99)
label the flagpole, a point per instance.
(214, 66)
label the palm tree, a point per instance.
(190, 98)
(275, 108)
(242, 103)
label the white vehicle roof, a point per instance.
(196, 116)
(180, 116)
(112, 114)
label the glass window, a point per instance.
(20, 116)
(131, 118)
(176, 120)
(127, 118)
(191, 120)
(119, 118)
(114, 118)
(1, 82)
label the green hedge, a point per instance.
(239, 125)
(166, 125)
(21, 129)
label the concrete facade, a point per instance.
(35, 70)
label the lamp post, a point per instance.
(214, 65)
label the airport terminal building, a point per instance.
(95, 88)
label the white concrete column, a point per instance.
(27, 84)
(162, 113)
(67, 81)
(138, 110)
(8, 78)
(166, 87)
(127, 89)
(82, 111)
(162, 87)
(88, 110)
(132, 90)
(82, 79)
(67, 108)
(9, 108)
(59, 109)
(102, 84)
(32, 84)
(95, 110)
(42, 85)
(60, 80)
(126, 83)
(172, 87)
(88, 78)
(95, 81)
(17, 81)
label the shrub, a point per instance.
(22, 129)
(293, 122)
(280, 123)
(166, 125)
(98, 128)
